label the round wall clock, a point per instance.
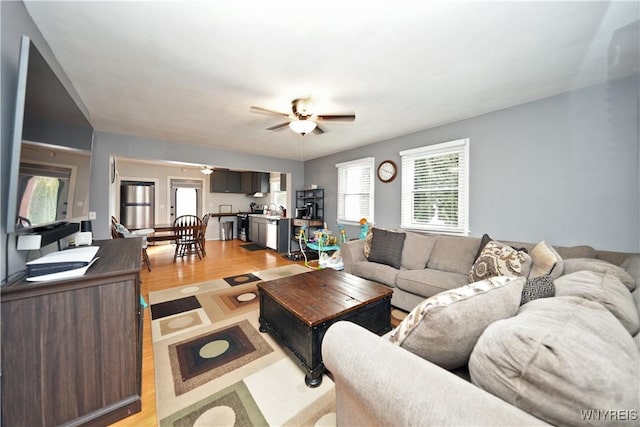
(387, 171)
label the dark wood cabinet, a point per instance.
(72, 349)
(225, 181)
(246, 182)
(283, 182)
(254, 182)
(258, 232)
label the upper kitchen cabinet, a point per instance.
(225, 181)
(254, 182)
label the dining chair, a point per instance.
(203, 234)
(119, 231)
(188, 231)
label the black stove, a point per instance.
(243, 226)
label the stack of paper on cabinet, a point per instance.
(62, 264)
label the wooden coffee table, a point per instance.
(299, 309)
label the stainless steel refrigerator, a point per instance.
(137, 209)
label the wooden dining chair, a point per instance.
(203, 234)
(188, 231)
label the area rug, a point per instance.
(214, 368)
(252, 247)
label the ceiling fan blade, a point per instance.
(265, 110)
(280, 126)
(318, 131)
(344, 117)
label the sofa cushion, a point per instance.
(599, 266)
(557, 357)
(416, 251)
(538, 287)
(429, 282)
(545, 260)
(604, 288)
(386, 247)
(378, 272)
(453, 254)
(444, 328)
(582, 251)
(632, 266)
(499, 259)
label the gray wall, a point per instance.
(564, 169)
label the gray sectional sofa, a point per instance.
(479, 354)
(432, 263)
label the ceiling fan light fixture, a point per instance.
(302, 126)
(206, 170)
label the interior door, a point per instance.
(186, 198)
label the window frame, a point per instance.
(408, 158)
(366, 162)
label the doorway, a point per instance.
(186, 197)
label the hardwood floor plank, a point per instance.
(224, 259)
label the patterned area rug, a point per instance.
(214, 368)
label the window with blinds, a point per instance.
(435, 188)
(355, 190)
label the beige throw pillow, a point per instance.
(498, 259)
(444, 328)
(545, 260)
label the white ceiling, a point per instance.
(188, 71)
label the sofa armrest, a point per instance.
(352, 252)
(379, 383)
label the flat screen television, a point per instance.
(51, 150)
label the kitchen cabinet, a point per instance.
(270, 232)
(284, 227)
(258, 233)
(72, 349)
(283, 182)
(225, 181)
(254, 182)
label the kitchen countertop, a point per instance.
(276, 217)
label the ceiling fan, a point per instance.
(302, 120)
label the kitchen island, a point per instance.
(269, 231)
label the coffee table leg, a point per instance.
(313, 381)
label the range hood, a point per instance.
(256, 194)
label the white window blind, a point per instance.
(435, 188)
(355, 190)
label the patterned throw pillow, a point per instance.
(486, 239)
(498, 259)
(386, 247)
(538, 287)
(444, 328)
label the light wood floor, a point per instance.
(224, 259)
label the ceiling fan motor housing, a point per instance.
(302, 108)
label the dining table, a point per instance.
(163, 232)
